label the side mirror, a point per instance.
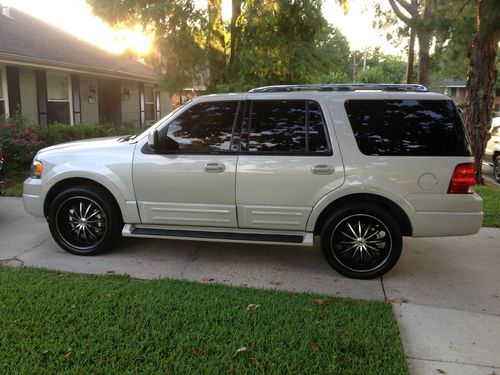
(162, 145)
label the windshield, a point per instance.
(162, 121)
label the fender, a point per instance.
(120, 188)
(358, 188)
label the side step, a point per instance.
(219, 235)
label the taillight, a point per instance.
(463, 180)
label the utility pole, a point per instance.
(354, 66)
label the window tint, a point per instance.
(288, 126)
(205, 127)
(407, 127)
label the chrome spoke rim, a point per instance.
(81, 222)
(361, 242)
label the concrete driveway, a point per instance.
(445, 291)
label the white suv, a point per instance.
(492, 151)
(359, 165)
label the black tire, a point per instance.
(85, 220)
(361, 241)
(496, 169)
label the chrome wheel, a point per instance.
(496, 169)
(361, 243)
(81, 223)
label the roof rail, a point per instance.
(343, 87)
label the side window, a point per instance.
(407, 127)
(286, 126)
(277, 126)
(205, 127)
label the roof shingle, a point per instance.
(28, 37)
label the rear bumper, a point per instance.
(443, 224)
(440, 215)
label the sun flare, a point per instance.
(134, 39)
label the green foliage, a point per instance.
(21, 140)
(276, 41)
(19, 145)
(179, 29)
(56, 323)
(287, 42)
(337, 77)
(379, 68)
(454, 33)
(59, 133)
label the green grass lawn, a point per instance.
(66, 323)
(491, 202)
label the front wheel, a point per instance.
(361, 241)
(84, 220)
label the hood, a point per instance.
(85, 144)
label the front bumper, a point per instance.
(32, 196)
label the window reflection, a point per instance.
(204, 127)
(407, 127)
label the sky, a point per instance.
(75, 16)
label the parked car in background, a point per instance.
(356, 166)
(2, 167)
(492, 152)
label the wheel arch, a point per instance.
(390, 206)
(70, 182)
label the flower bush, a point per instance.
(21, 140)
(19, 145)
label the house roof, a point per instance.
(453, 83)
(26, 39)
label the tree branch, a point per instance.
(410, 8)
(407, 20)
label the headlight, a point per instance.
(36, 169)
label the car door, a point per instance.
(196, 185)
(286, 164)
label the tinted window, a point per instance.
(204, 127)
(407, 127)
(286, 126)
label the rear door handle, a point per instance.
(322, 169)
(214, 167)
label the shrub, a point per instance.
(19, 145)
(21, 140)
(59, 133)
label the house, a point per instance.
(50, 76)
(455, 89)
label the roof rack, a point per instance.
(343, 87)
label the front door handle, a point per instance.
(214, 167)
(322, 169)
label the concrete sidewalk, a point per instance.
(446, 290)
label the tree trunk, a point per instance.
(235, 14)
(480, 89)
(411, 56)
(216, 42)
(424, 44)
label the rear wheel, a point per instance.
(361, 241)
(84, 220)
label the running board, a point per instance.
(219, 235)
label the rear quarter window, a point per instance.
(407, 127)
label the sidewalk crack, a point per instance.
(383, 287)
